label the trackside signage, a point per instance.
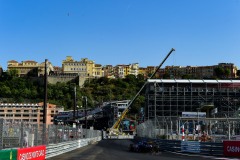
(32, 153)
(231, 148)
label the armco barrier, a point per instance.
(64, 147)
(204, 148)
(60, 148)
(8, 154)
(194, 147)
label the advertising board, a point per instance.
(32, 153)
(231, 148)
(8, 154)
(194, 114)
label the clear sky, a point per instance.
(203, 32)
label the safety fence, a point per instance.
(153, 129)
(202, 144)
(15, 135)
(25, 141)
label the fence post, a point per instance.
(21, 137)
(1, 134)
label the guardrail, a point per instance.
(64, 147)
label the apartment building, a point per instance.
(97, 71)
(120, 71)
(201, 72)
(29, 67)
(143, 71)
(31, 113)
(108, 71)
(84, 67)
(134, 69)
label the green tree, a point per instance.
(227, 72)
(219, 72)
(12, 73)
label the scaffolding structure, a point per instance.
(166, 99)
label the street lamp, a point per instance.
(198, 125)
(77, 112)
(85, 105)
(229, 135)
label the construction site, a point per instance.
(192, 107)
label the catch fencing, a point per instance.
(167, 141)
(154, 129)
(20, 135)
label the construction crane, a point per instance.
(114, 130)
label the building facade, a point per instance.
(29, 67)
(31, 113)
(84, 67)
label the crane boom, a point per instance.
(117, 123)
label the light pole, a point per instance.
(198, 125)
(45, 104)
(75, 103)
(85, 105)
(229, 134)
(77, 113)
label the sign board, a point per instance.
(194, 114)
(8, 154)
(231, 148)
(32, 153)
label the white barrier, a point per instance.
(64, 147)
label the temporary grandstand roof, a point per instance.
(191, 81)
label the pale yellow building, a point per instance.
(29, 67)
(143, 71)
(98, 71)
(134, 69)
(84, 67)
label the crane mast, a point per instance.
(115, 127)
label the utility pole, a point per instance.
(85, 106)
(75, 102)
(155, 109)
(45, 104)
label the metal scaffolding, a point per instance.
(167, 99)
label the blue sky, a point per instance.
(203, 32)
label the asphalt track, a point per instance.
(118, 150)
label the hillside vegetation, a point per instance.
(15, 89)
